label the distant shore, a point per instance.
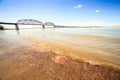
(90, 26)
(3, 27)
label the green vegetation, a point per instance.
(1, 27)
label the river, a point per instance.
(92, 44)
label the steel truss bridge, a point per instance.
(29, 22)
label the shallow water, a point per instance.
(88, 43)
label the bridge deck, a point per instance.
(7, 23)
(17, 23)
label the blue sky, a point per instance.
(62, 12)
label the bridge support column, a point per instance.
(43, 26)
(16, 25)
(54, 26)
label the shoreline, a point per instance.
(67, 51)
(64, 52)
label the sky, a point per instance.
(63, 12)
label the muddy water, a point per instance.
(90, 44)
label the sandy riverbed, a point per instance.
(37, 61)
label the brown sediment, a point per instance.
(37, 62)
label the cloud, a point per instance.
(78, 6)
(97, 11)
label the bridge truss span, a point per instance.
(29, 22)
(49, 24)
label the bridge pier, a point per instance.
(16, 25)
(43, 26)
(54, 26)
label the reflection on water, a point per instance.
(91, 43)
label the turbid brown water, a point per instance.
(48, 56)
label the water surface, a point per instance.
(100, 44)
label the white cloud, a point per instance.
(78, 6)
(97, 11)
